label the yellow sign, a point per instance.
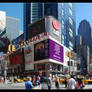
(11, 48)
(69, 54)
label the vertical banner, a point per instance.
(28, 53)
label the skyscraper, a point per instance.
(85, 32)
(64, 12)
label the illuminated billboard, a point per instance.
(48, 24)
(48, 49)
(16, 57)
(28, 53)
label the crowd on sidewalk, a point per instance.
(46, 82)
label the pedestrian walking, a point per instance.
(57, 84)
(79, 84)
(29, 84)
(38, 80)
(71, 83)
(49, 82)
(43, 81)
(65, 81)
(34, 80)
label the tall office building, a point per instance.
(64, 12)
(12, 29)
(85, 32)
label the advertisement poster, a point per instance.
(16, 57)
(66, 58)
(41, 50)
(48, 49)
(56, 51)
(28, 52)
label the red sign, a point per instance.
(56, 25)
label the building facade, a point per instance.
(85, 32)
(64, 12)
(12, 27)
(2, 24)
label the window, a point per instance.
(62, 24)
(62, 36)
(70, 32)
(62, 4)
(70, 4)
(70, 43)
(70, 11)
(70, 21)
(62, 12)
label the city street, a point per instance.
(22, 86)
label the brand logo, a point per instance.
(56, 25)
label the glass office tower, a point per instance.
(64, 12)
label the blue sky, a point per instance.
(14, 10)
(83, 11)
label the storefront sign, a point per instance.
(28, 52)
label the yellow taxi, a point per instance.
(87, 81)
(19, 80)
(63, 77)
(25, 79)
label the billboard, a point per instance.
(55, 51)
(16, 57)
(41, 50)
(47, 24)
(28, 53)
(36, 28)
(66, 58)
(4, 43)
(2, 21)
(48, 49)
(53, 26)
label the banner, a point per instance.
(28, 53)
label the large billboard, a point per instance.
(28, 53)
(36, 28)
(53, 26)
(66, 58)
(47, 24)
(2, 21)
(56, 51)
(41, 50)
(48, 49)
(16, 57)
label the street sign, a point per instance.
(72, 68)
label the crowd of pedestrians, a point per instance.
(46, 82)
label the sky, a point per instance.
(82, 10)
(14, 10)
